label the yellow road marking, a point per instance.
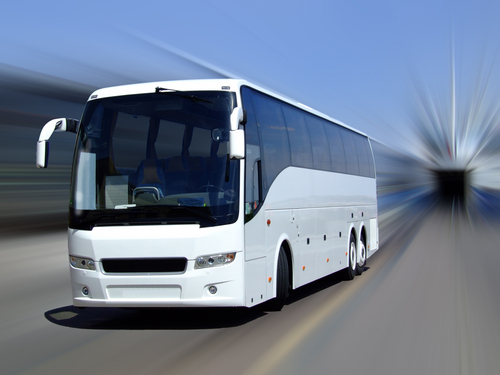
(276, 354)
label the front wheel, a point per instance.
(282, 283)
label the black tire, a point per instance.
(350, 272)
(282, 283)
(360, 265)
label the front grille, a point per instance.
(144, 265)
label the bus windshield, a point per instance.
(155, 159)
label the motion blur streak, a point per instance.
(32, 198)
(428, 302)
(456, 148)
(162, 46)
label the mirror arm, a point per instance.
(58, 125)
(243, 120)
(237, 117)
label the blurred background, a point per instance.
(420, 77)
(416, 76)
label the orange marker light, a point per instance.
(327, 260)
(268, 222)
(270, 279)
(303, 268)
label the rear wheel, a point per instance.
(360, 265)
(282, 283)
(350, 272)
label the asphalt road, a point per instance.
(428, 303)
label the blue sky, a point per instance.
(356, 61)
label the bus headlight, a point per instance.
(82, 263)
(216, 260)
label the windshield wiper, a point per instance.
(159, 90)
(163, 90)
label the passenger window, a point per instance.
(300, 144)
(370, 159)
(274, 140)
(350, 151)
(361, 144)
(321, 156)
(253, 175)
(337, 153)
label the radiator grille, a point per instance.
(144, 265)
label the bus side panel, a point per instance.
(255, 244)
(256, 259)
(373, 237)
(305, 268)
(324, 242)
(280, 227)
(322, 203)
(255, 281)
(341, 238)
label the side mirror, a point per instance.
(237, 144)
(56, 125)
(236, 135)
(238, 116)
(42, 154)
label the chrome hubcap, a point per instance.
(362, 254)
(353, 255)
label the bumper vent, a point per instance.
(144, 265)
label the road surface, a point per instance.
(428, 303)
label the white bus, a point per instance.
(212, 193)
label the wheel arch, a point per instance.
(352, 231)
(288, 251)
(284, 242)
(362, 232)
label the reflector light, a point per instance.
(201, 262)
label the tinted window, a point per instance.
(252, 156)
(371, 163)
(364, 159)
(337, 153)
(321, 154)
(291, 136)
(275, 148)
(300, 145)
(350, 151)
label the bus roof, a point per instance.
(205, 85)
